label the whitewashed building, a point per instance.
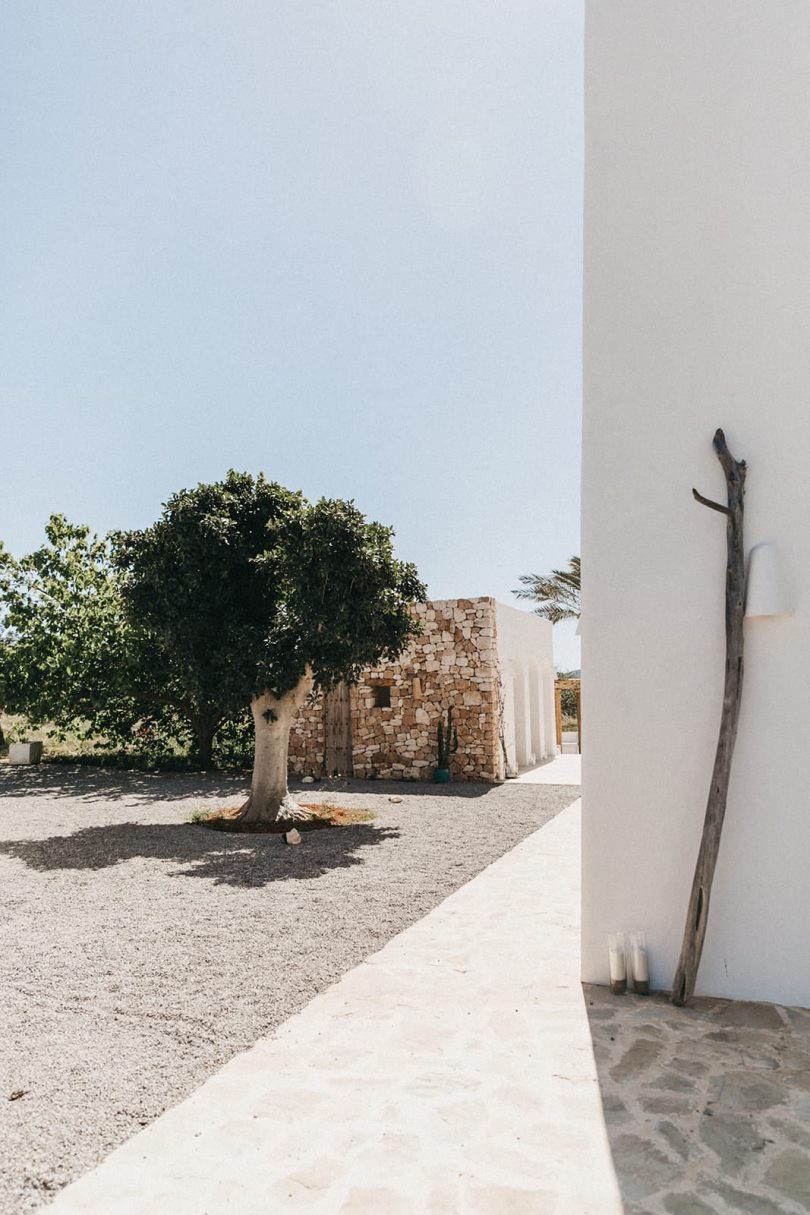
(697, 315)
(526, 663)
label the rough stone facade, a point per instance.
(307, 752)
(454, 663)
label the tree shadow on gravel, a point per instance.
(233, 860)
(95, 784)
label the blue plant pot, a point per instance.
(441, 775)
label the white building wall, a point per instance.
(697, 314)
(526, 661)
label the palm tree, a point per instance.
(556, 594)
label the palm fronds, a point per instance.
(556, 594)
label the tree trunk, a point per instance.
(205, 729)
(683, 985)
(273, 717)
(205, 743)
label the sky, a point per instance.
(336, 241)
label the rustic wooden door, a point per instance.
(337, 731)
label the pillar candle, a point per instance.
(641, 970)
(618, 968)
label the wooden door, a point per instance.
(337, 731)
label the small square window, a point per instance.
(382, 697)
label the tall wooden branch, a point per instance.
(683, 985)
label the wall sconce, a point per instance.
(766, 592)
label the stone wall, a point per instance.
(454, 663)
(307, 741)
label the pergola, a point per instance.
(560, 685)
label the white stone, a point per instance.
(307, 780)
(25, 753)
(292, 837)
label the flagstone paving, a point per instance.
(707, 1107)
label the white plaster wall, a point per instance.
(508, 726)
(697, 314)
(526, 660)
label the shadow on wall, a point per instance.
(704, 1103)
(234, 860)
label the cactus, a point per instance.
(448, 740)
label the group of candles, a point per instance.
(628, 964)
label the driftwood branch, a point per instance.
(708, 502)
(683, 985)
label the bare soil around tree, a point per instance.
(140, 951)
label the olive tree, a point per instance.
(261, 598)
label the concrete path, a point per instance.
(450, 1073)
(564, 770)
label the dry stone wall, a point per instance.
(454, 663)
(307, 740)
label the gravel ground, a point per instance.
(140, 952)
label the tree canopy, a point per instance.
(247, 584)
(255, 592)
(241, 591)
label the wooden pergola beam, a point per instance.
(561, 685)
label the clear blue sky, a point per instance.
(335, 240)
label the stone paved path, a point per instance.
(451, 1073)
(708, 1107)
(562, 770)
(462, 1071)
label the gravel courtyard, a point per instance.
(140, 951)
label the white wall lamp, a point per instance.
(766, 591)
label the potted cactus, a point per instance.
(447, 746)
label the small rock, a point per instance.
(292, 837)
(18, 1092)
(395, 799)
(307, 780)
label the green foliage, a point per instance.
(154, 642)
(557, 594)
(344, 601)
(68, 654)
(447, 741)
(234, 741)
(568, 696)
(72, 658)
(248, 586)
